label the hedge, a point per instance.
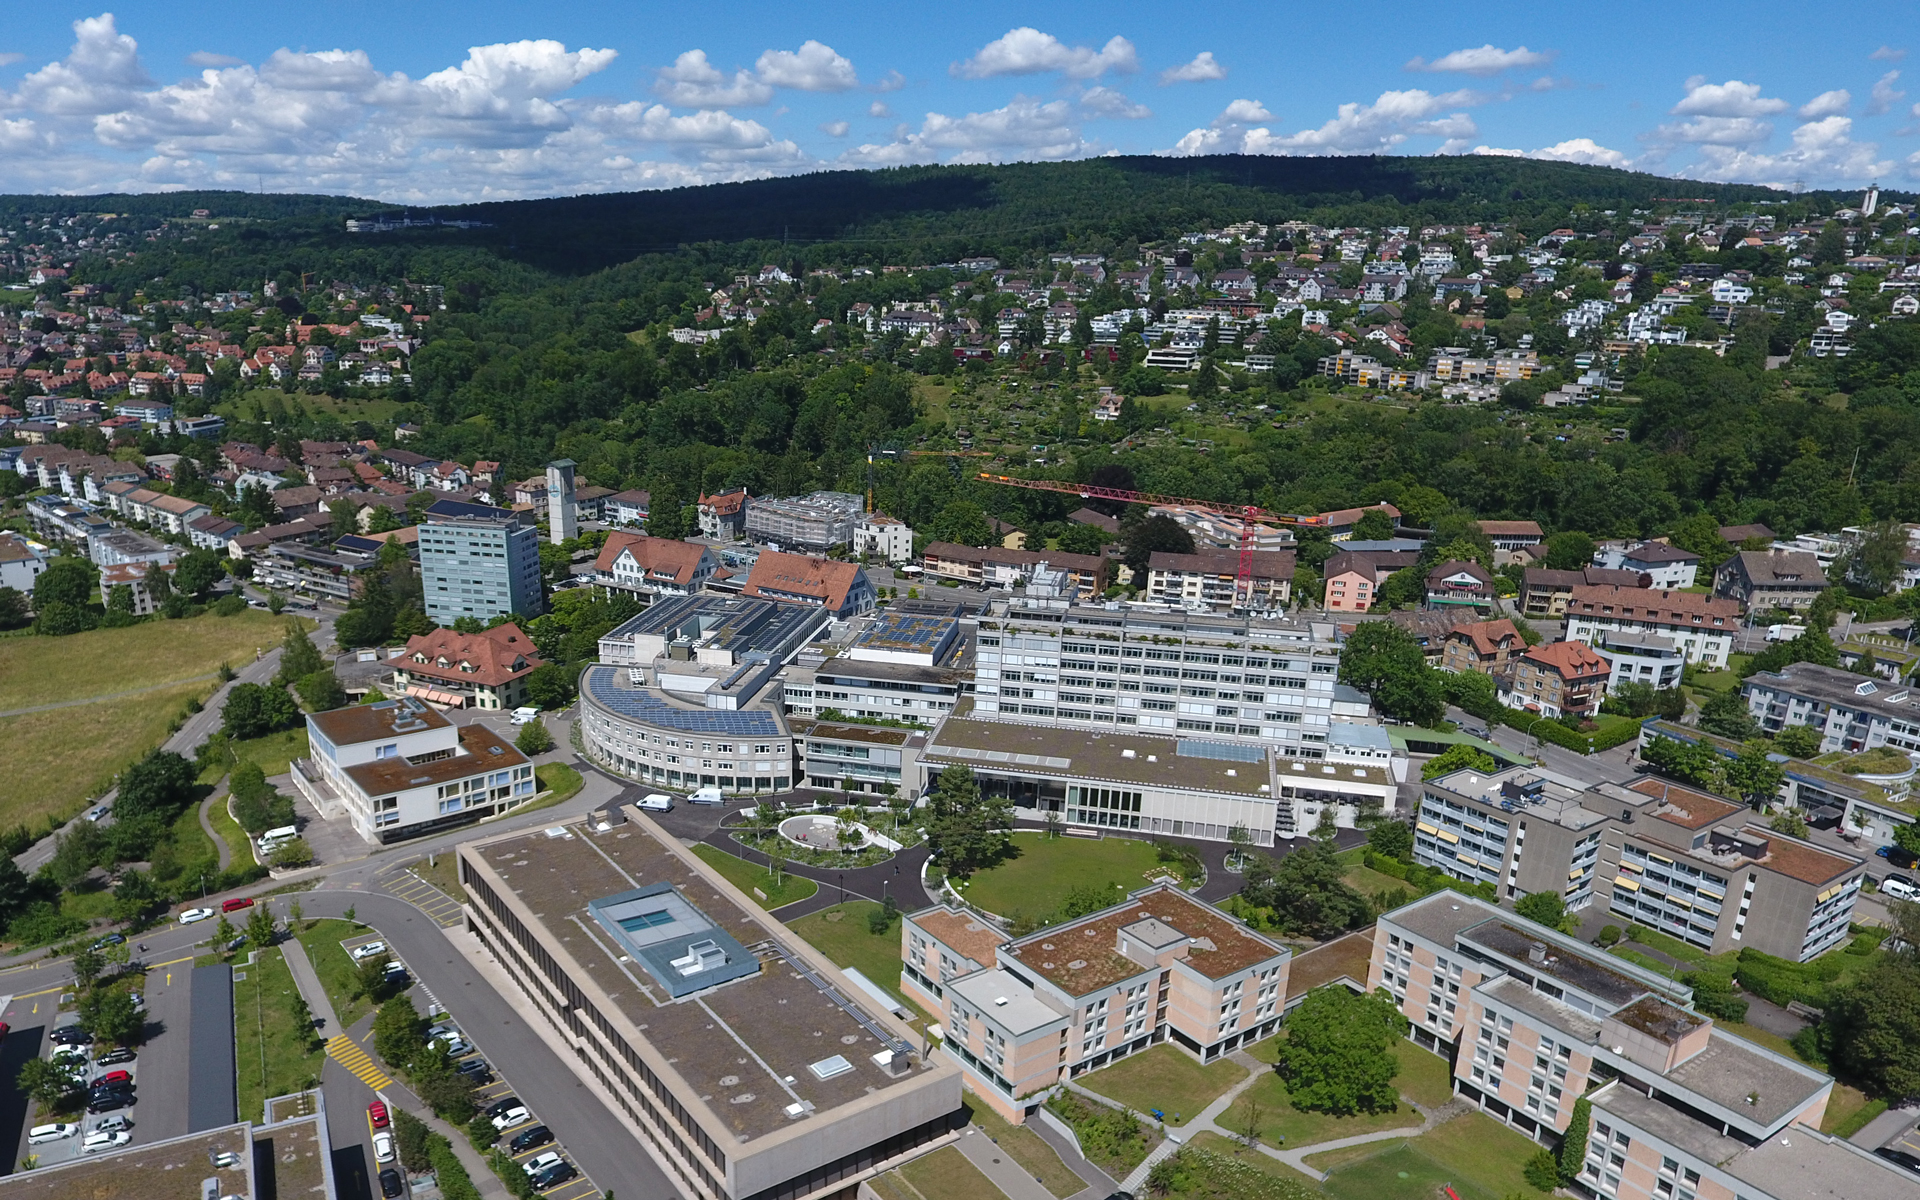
(1426, 878)
(455, 1183)
(1548, 729)
(1783, 982)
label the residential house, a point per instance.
(133, 577)
(841, 588)
(1701, 626)
(1558, 679)
(1339, 523)
(1761, 580)
(1489, 647)
(1511, 539)
(1737, 535)
(1545, 592)
(638, 563)
(1634, 657)
(882, 536)
(628, 507)
(996, 566)
(468, 670)
(21, 561)
(1458, 582)
(724, 514)
(1353, 578)
(1852, 713)
(1210, 579)
(1668, 567)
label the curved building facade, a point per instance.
(646, 734)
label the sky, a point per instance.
(417, 101)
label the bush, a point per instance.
(410, 1137)
(1542, 1170)
(1610, 935)
(1782, 982)
(1714, 996)
(534, 738)
(513, 1175)
(482, 1134)
(296, 853)
(455, 1183)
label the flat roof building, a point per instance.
(479, 561)
(1850, 712)
(742, 1059)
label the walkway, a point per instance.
(206, 824)
(998, 1166)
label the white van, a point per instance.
(706, 795)
(656, 803)
(50, 1133)
(522, 715)
(273, 837)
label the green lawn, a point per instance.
(755, 880)
(947, 1175)
(1281, 1125)
(45, 670)
(1369, 882)
(230, 832)
(443, 872)
(1849, 1110)
(841, 934)
(1167, 1079)
(1423, 1076)
(58, 758)
(273, 1055)
(1037, 882)
(336, 971)
(1237, 1158)
(274, 752)
(1025, 1147)
(1478, 1156)
(559, 778)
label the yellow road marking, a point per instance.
(344, 1051)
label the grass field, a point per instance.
(560, 779)
(443, 872)
(274, 753)
(1481, 1158)
(1849, 1110)
(757, 881)
(947, 1175)
(1038, 881)
(336, 971)
(1164, 1078)
(1027, 1148)
(1278, 1123)
(273, 1055)
(1369, 882)
(230, 832)
(47, 670)
(57, 759)
(841, 934)
(1238, 1153)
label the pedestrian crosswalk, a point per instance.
(422, 895)
(343, 1050)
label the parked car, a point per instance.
(119, 1054)
(502, 1104)
(383, 1147)
(40, 1134)
(1899, 887)
(554, 1176)
(390, 1185)
(377, 1117)
(70, 1035)
(527, 1139)
(541, 1162)
(455, 1046)
(98, 811)
(368, 950)
(112, 1123)
(113, 1077)
(102, 1139)
(656, 802)
(1899, 856)
(112, 939)
(475, 1069)
(109, 1100)
(236, 903)
(514, 1116)
(195, 914)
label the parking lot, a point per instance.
(354, 1075)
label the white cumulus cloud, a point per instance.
(812, 68)
(1106, 102)
(1822, 149)
(1354, 129)
(1826, 104)
(1027, 51)
(1025, 129)
(1730, 99)
(1573, 150)
(1888, 54)
(1484, 60)
(1202, 69)
(835, 128)
(693, 82)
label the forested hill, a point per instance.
(937, 213)
(256, 206)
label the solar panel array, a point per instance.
(900, 631)
(639, 704)
(1188, 748)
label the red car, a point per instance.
(377, 1115)
(236, 904)
(113, 1077)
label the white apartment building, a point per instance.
(1852, 713)
(399, 769)
(884, 537)
(1702, 627)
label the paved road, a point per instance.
(197, 729)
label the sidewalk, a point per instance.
(305, 978)
(999, 1167)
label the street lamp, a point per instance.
(1533, 735)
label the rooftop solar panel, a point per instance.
(641, 704)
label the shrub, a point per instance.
(455, 1183)
(296, 853)
(482, 1134)
(1542, 1171)
(410, 1137)
(513, 1175)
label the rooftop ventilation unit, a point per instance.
(827, 1068)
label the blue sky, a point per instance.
(424, 101)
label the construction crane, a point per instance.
(889, 451)
(1249, 516)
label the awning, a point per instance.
(436, 696)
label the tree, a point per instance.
(1798, 741)
(1726, 715)
(1568, 550)
(87, 965)
(50, 1087)
(1573, 1146)
(1374, 525)
(1392, 839)
(197, 572)
(321, 691)
(966, 831)
(13, 607)
(1544, 908)
(1305, 892)
(80, 848)
(1240, 839)
(253, 710)
(1689, 762)
(1791, 823)
(161, 782)
(534, 738)
(136, 895)
(66, 580)
(550, 686)
(1384, 661)
(410, 1133)
(1458, 757)
(261, 927)
(292, 853)
(1473, 692)
(299, 657)
(1338, 1056)
(963, 523)
(1143, 538)
(1753, 775)
(108, 1015)
(399, 1032)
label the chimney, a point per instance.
(1537, 953)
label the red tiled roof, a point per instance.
(1570, 660)
(1490, 637)
(658, 558)
(496, 655)
(780, 576)
(1690, 609)
(725, 503)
